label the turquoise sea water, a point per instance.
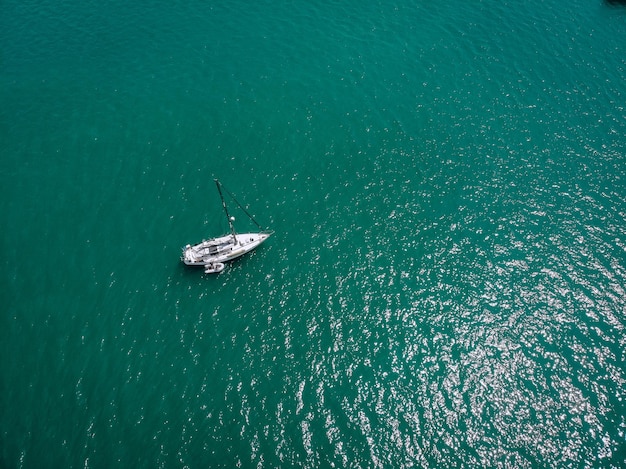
(446, 284)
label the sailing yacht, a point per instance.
(215, 251)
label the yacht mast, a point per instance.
(228, 217)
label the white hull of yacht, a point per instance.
(223, 248)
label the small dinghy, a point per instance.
(214, 268)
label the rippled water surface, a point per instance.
(445, 287)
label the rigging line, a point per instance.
(241, 206)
